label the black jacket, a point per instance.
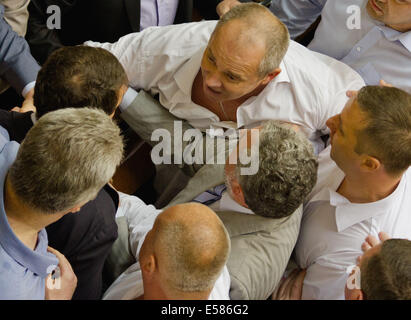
(82, 20)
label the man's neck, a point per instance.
(156, 292)
(359, 189)
(24, 221)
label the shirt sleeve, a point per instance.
(17, 66)
(297, 15)
(140, 219)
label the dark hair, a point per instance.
(77, 77)
(387, 274)
(387, 135)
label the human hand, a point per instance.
(61, 284)
(291, 288)
(385, 84)
(225, 6)
(372, 241)
(28, 103)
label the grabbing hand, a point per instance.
(60, 284)
(291, 288)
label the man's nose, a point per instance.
(213, 80)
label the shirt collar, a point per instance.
(283, 76)
(228, 204)
(394, 35)
(348, 214)
(185, 76)
(39, 261)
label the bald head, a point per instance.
(191, 245)
(256, 25)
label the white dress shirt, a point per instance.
(165, 60)
(333, 229)
(375, 51)
(140, 219)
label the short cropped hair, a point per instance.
(387, 274)
(286, 175)
(80, 76)
(387, 135)
(65, 159)
(196, 254)
(261, 22)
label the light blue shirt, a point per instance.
(22, 271)
(157, 13)
(375, 51)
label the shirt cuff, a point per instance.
(27, 88)
(128, 98)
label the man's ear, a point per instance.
(238, 193)
(73, 210)
(148, 265)
(271, 76)
(369, 163)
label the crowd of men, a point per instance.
(325, 216)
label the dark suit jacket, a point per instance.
(82, 20)
(86, 237)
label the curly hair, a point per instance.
(287, 172)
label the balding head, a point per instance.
(190, 245)
(256, 25)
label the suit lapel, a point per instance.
(184, 11)
(133, 13)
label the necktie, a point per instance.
(210, 196)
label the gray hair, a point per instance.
(66, 158)
(196, 249)
(287, 172)
(261, 22)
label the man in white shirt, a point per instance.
(236, 73)
(371, 36)
(366, 190)
(180, 252)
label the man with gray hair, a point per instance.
(181, 253)
(235, 73)
(261, 212)
(63, 162)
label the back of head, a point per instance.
(387, 274)
(192, 247)
(79, 77)
(65, 159)
(286, 174)
(387, 135)
(259, 22)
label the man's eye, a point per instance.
(231, 77)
